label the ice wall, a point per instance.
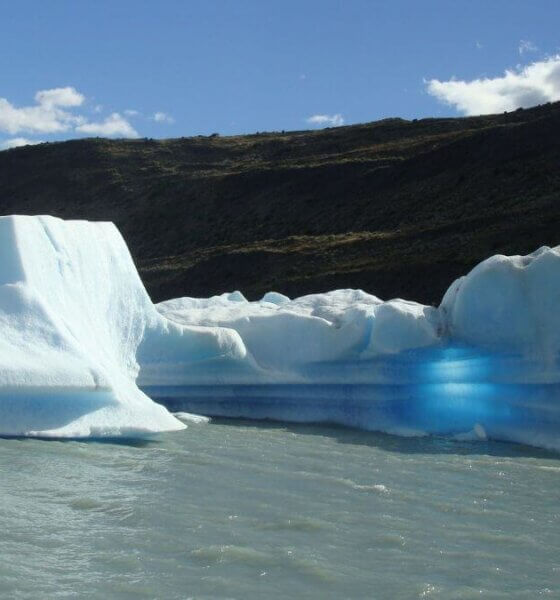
(74, 321)
(484, 363)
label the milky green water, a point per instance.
(237, 510)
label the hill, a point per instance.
(398, 208)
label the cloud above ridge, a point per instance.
(17, 143)
(114, 125)
(49, 114)
(521, 87)
(161, 117)
(54, 113)
(66, 96)
(326, 120)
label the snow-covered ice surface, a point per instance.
(483, 364)
(83, 349)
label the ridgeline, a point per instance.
(398, 208)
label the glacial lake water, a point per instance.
(234, 509)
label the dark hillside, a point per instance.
(398, 208)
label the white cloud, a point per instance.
(161, 117)
(46, 116)
(478, 45)
(526, 86)
(17, 142)
(53, 114)
(526, 46)
(66, 96)
(129, 112)
(113, 126)
(333, 120)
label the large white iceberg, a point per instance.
(75, 320)
(83, 349)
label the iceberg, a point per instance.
(84, 352)
(485, 360)
(75, 320)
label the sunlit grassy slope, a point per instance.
(398, 208)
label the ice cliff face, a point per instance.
(74, 320)
(81, 346)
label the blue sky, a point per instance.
(177, 68)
